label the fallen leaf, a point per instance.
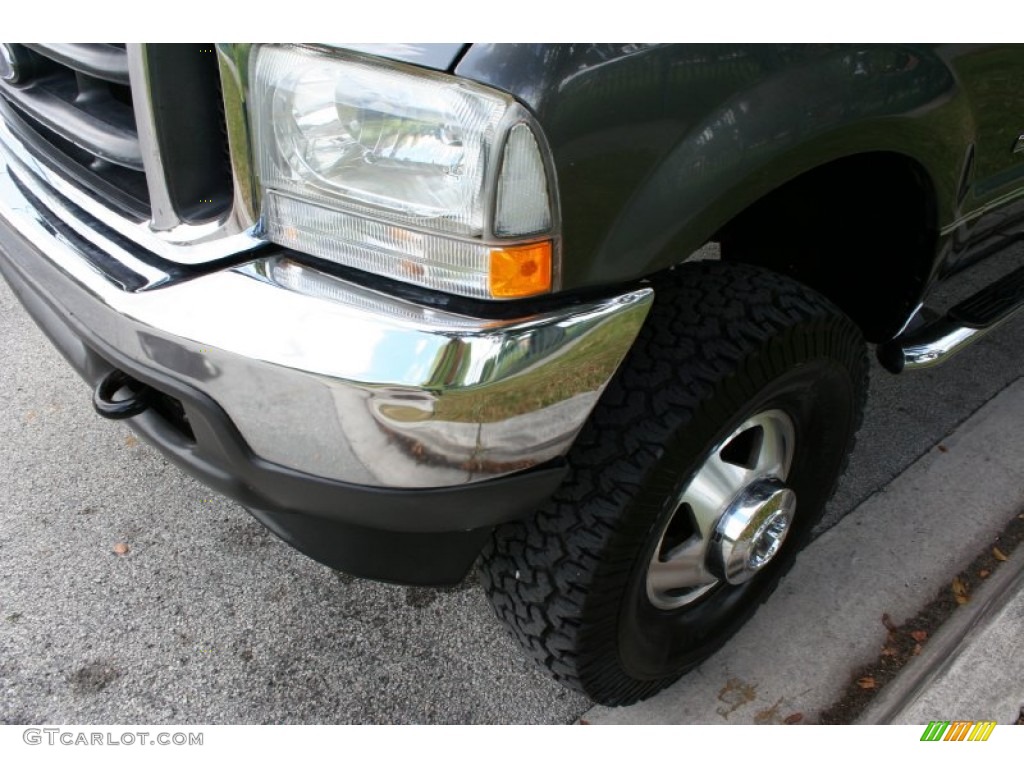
(917, 650)
(984, 573)
(120, 548)
(919, 635)
(887, 622)
(889, 651)
(943, 448)
(793, 719)
(867, 683)
(584, 722)
(960, 591)
(998, 554)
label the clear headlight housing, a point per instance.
(410, 174)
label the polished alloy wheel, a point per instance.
(733, 516)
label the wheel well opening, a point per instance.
(860, 230)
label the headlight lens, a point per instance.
(409, 145)
(392, 170)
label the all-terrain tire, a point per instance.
(722, 342)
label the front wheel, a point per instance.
(699, 476)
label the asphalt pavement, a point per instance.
(208, 618)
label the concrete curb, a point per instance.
(944, 656)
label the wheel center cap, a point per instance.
(751, 531)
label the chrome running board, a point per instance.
(971, 319)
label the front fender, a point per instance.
(656, 147)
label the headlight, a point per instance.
(414, 175)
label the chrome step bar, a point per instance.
(927, 345)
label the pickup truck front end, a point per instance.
(595, 316)
(381, 430)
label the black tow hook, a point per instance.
(109, 408)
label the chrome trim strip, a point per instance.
(232, 60)
(151, 276)
(335, 380)
(161, 210)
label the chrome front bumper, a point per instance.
(318, 374)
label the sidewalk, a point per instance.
(891, 556)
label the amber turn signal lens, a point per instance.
(523, 270)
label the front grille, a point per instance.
(73, 106)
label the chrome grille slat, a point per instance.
(114, 143)
(76, 99)
(216, 244)
(51, 161)
(100, 60)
